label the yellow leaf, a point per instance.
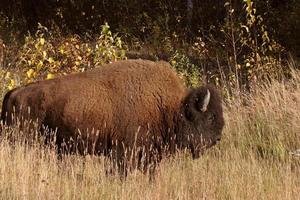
(50, 76)
(44, 54)
(77, 46)
(7, 75)
(50, 60)
(77, 63)
(40, 65)
(30, 73)
(62, 51)
(11, 84)
(42, 41)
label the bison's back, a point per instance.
(125, 97)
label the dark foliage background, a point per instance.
(139, 18)
(236, 41)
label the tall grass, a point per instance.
(254, 160)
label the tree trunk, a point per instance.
(1, 54)
(189, 16)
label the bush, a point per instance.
(187, 71)
(46, 55)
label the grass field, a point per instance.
(255, 160)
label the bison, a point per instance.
(134, 110)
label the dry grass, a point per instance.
(253, 161)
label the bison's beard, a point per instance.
(198, 150)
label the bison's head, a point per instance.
(201, 120)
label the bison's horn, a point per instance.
(206, 101)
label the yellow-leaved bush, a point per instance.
(46, 56)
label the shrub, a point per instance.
(46, 55)
(187, 71)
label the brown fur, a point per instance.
(127, 105)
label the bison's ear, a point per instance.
(205, 101)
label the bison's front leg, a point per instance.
(116, 164)
(144, 159)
